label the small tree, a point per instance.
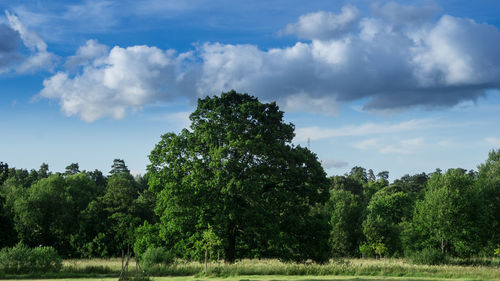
(210, 242)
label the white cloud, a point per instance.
(89, 52)
(30, 39)
(318, 133)
(407, 146)
(123, 79)
(366, 144)
(39, 57)
(386, 145)
(324, 25)
(446, 58)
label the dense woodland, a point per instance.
(234, 185)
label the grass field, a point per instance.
(273, 270)
(264, 278)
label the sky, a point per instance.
(398, 86)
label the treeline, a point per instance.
(87, 214)
(79, 213)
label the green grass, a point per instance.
(274, 270)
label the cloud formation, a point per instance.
(396, 58)
(406, 146)
(319, 133)
(109, 84)
(11, 57)
(385, 146)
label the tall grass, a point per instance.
(347, 267)
(350, 267)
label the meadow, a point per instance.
(344, 269)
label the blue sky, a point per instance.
(402, 86)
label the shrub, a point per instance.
(429, 256)
(22, 259)
(46, 259)
(16, 259)
(155, 256)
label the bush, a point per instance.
(46, 259)
(429, 256)
(155, 256)
(21, 259)
(17, 259)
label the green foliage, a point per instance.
(43, 214)
(4, 172)
(488, 182)
(109, 222)
(429, 256)
(237, 171)
(147, 236)
(380, 249)
(386, 210)
(366, 250)
(17, 259)
(155, 256)
(450, 217)
(21, 259)
(345, 210)
(210, 241)
(412, 185)
(8, 235)
(46, 259)
(119, 167)
(72, 169)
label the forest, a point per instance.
(235, 186)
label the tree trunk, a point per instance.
(218, 260)
(206, 260)
(231, 243)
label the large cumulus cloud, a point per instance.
(396, 58)
(109, 83)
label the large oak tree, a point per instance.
(236, 172)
